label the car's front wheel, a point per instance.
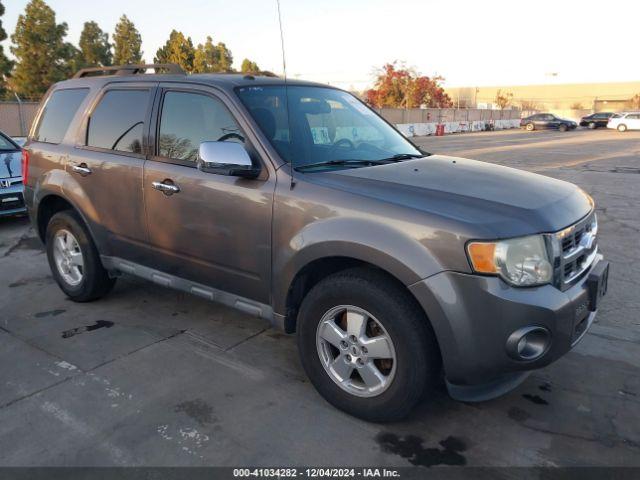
(622, 127)
(563, 127)
(530, 127)
(592, 125)
(74, 260)
(366, 346)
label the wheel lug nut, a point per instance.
(360, 362)
(353, 338)
(364, 349)
(347, 357)
(344, 344)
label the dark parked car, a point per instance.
(11, 199)
(541, 121)
(297, 203)
(596, 120)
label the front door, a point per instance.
(215, 229)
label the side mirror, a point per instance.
(226, 158)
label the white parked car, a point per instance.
(624, 121)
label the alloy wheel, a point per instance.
(68, 257)
(356, 351)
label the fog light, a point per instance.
(528, 343)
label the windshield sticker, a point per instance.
(320, 135)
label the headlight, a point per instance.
(522, 262)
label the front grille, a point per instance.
(576, 250)
(11, 201)
(10, 182)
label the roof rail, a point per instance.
(129, 70)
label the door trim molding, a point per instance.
(118, 265)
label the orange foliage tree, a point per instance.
(400, 87)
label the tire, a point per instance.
(87, 282)
(563, 127)
(592, 125)
(530, 127)
(622, 128)
(415, 367)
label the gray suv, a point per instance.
(295, 202)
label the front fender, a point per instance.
(367, 240)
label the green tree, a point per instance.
(212, 58)
(225, 58)
(178, 49)
(205, 59)
(5, 63)
(42, 56)
(249, 67)
(95, 50)
(127, 43)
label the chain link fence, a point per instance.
(16, 117)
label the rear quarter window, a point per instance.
(58, 113)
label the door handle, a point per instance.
(82, 169)
(166, 186)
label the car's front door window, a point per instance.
(187, 119)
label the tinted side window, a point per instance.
(117, 123)
(58, 112)
(190, 118)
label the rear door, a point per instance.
(108, 166)
(217, 229)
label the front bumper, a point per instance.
(473, 317)
(12, 200)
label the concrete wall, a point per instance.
(418, 122)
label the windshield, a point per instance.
(327, 126)
(7, 145)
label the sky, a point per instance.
(342, 42)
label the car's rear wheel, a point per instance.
(622, 127)
(74, 260)
(530, 127)
(563, 127)
(592, 125)
(366, 346)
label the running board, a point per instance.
(256, 309)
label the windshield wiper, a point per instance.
(406, 156)
(343, 162)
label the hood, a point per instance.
(491, 199)
(10, 164)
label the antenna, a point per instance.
(286, 91)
